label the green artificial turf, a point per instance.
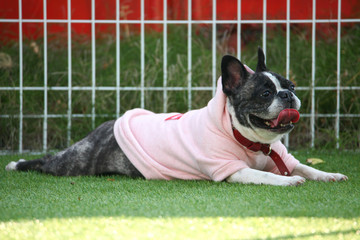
(37, 206)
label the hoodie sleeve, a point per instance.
(231, 167)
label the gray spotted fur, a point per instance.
(96, 154)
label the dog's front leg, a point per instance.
(249, 175)
(314, 174)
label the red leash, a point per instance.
(265, 148)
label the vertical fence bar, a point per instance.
(45, 79)
(93, 65)
(286, 140)
(313, 41)
(287, 39)
(337, 121)
(20, 79)
(142, 39)
(165, 55)
(69, 74)
(264, 28)
(238, 32)
(189, 54)
(214, 47)
(117, 25)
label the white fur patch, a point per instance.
(275, 107)
(248, 175)
(12, 165)
(275, 81)
(253, 134)
(314, 174)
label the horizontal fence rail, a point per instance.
(119, 88)
(267, 21)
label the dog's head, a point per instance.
(263, 104)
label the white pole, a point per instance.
(238, 32)
(93, 63)
(189, 54)
(45, 81)
(69, 75)
(313, 45)
(20, 79)
(165, 56)
(214, 47)
(117, 58)
(264, 28)
(142, 33)
(338, 76)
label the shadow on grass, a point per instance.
(28, 195)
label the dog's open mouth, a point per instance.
(283, 123)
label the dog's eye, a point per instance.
(292, 88)
(266, 94)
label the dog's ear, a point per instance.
(261, 67)
(233, 74)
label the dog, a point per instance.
(235, 138)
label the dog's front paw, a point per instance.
(12, 165)
(332, 177)
(293, 181)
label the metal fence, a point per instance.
(165, 22)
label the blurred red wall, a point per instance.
(176, 10)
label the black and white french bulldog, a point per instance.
(259, 106)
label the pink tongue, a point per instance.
(285, 117)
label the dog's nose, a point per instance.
(286, 95)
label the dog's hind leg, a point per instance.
(96, 154)
(23, 165)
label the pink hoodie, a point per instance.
(196, 145)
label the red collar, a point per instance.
(265, 148)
